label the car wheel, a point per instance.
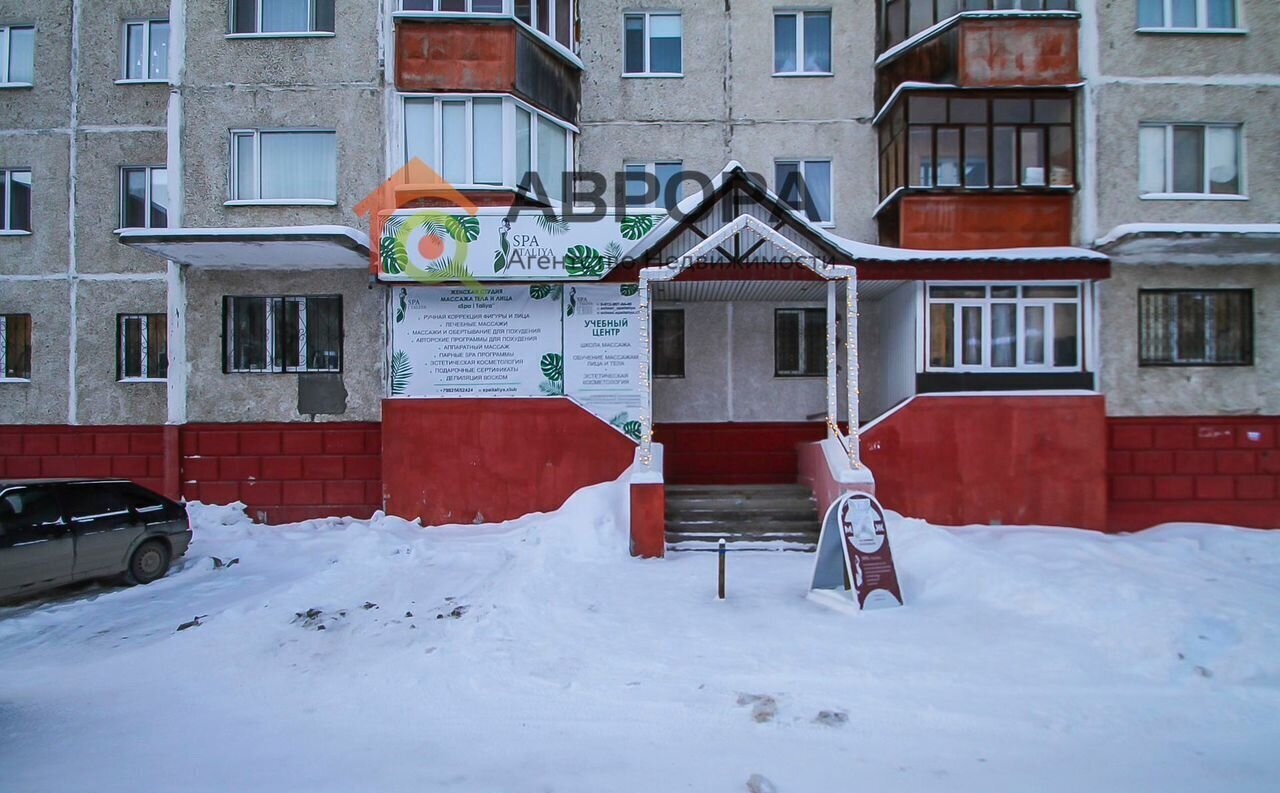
(149, 562)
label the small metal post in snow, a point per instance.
(722, 550)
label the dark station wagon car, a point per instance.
(58, 531)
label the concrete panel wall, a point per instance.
(44, 399)
(101, 399)
(46, 105)
(887, 350)
(728, 105)
(45, 250)
(1123, 51)
(1134, 390)
(219, 397)
(101, 100)
(1123, 107)
(101, 156)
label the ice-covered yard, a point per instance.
(537, 656)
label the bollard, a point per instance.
(721, 591)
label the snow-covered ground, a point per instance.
(537, 656)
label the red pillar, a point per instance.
(173, 460)
(648, 520)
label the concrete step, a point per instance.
(748, 517)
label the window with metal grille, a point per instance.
(799, 342)
(142, 351)
(1195, 327)
(282, 334)
(668, 342)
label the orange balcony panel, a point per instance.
(995, 52)
(955, 221)
(455, 56)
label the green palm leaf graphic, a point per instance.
(393, 255)
(552, 366)
(628, 290)
(583, 260)
(635, 226)
(552, 223)
(539, 291)
(613, 253)
(463, 229)
(632, 429)
(401, 371)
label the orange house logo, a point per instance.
(429, 244)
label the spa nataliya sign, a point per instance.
(495, 243)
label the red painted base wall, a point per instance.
(483, 460)
(1204, 469)
(958, 460)
(738, 453)
(137, 453)
(289, 472)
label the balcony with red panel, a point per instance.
(977, 43)
(524, 49)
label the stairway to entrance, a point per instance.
(748, 517)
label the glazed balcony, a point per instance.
(977, 169)
(477, 53)
(977, 43)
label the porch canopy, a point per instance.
(1193, 243)
(298, 248)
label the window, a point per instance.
(284, 166)
(142, 352)
(799, 342)
(15, 346)
(902, 19)
(805, 186)
(802, 42)
(144, 197)
(668, 342)
(966, 142)
(15, 201)
(282, 334)
(17, 55)
(30, 508)
(1187, 15)
(652, 44)
(257, 17)
(455, 6)
(146, 50)
(465, 138)
(1004, 327)
(1200, 327)
(652, 184)
(1188, 159)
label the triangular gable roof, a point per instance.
(694, 208)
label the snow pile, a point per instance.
(345, 655)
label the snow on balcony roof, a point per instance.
(259, 248)
(1193, 243)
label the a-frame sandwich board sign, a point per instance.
(855, 565)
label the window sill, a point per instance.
(142, 380)
(17, 233)
(148, 81)
(282, 202)
(1012, 371)
(17, 85)
(804, 74)
(26, 380)
(1194, 31)
(1196, 365)
(652, 75)
(1192, 197)
(280, 371)
(298, 34)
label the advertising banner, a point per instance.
(459, 342)
(603, 352)
(854, 561)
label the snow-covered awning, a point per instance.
(1193, 243)
(278, 248)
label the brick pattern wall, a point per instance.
(137, 453)
(290, 472)
(1213, 469)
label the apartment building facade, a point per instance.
(1059, 214)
